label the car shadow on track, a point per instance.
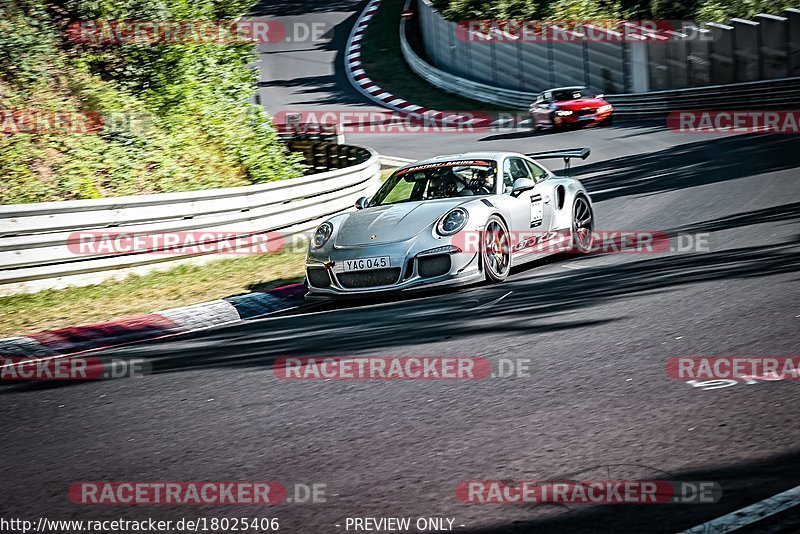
(689, 165)
(742, 485)
(351, 327)
(520, 133)
(537, 304)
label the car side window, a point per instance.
(538, 173)
(513, 169)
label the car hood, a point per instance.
(576, 105)
(392, 223)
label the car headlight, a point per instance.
(322, 235)
(563, 112)
(604, 108)
(452, 222)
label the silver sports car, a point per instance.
(451, 220)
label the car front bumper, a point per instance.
(578, 120)
(412, 266)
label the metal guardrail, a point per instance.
(775, 94)
(765, 94)
(461, 86)
(35, 239)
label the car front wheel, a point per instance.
(496, 250)
(582, 225)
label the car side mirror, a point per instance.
(600, 96)
(521, 185)
(361, 203)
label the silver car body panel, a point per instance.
(405, 231)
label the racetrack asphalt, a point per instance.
(598, 331)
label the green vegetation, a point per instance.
(180, 286)
(190, 121)
(700, 10)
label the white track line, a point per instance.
(354, 67)
(750, 514)
(495, 301)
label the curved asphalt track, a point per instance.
(597, 330)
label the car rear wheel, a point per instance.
(496, 250)
(582, 225)
(535, 124)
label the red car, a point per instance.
(569, 106)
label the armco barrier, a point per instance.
(766, 94)
(34, 252)
(640, 56)
(461, 86)
(775, 94)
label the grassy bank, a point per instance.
(181, 286)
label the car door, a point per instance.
(541, 196)
(531, 210)
(542, 109)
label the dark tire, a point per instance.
(553, 126)
(496, 250)
(534, 125)
(582, 225)
(608, 121)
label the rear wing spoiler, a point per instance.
(567, 154)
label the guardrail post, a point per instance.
(677, 60)
(637, 76)
(699, 56)
(747, 50)
(657, 62)
(722, 66)
(773, 46)
(793, 41)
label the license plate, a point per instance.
(586, 117)
(365, 264)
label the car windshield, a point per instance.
(445, 179)
(572, 94)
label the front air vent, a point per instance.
(318, 277)
(374, 278)
(434, 265)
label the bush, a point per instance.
(195, 126)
